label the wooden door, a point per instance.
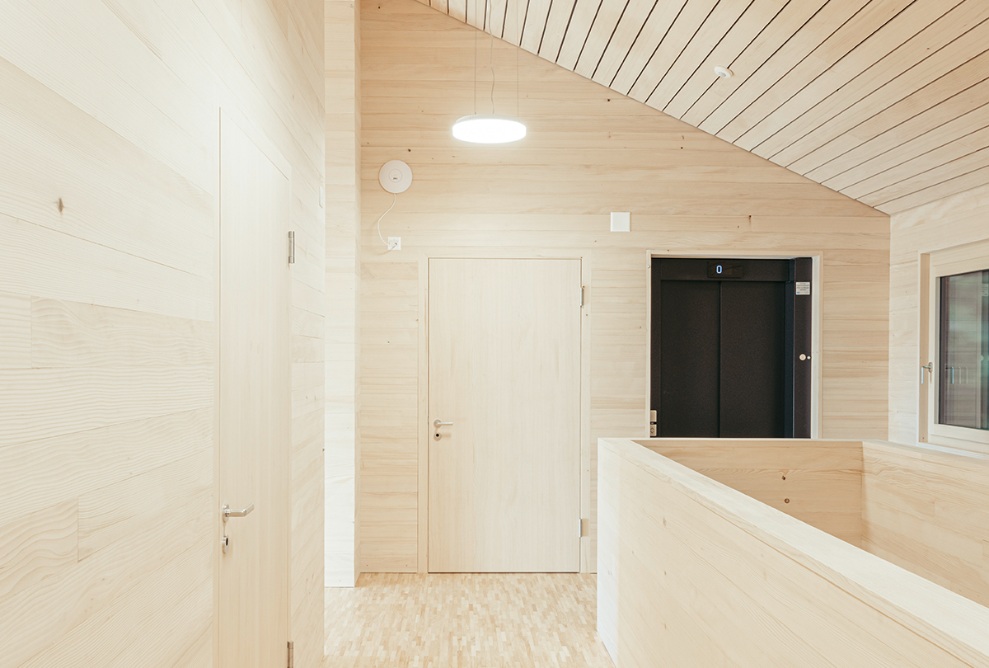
(254, 405)
(504, 368)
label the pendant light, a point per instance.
(489, 128)
(481, 129)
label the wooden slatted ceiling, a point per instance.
(886, 101)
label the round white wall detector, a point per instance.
(395, 176)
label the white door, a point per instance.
(504, 368)
(254, 406)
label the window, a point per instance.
(963, 336)
(955, 377)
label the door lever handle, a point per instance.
(436, 428)
(229, 512)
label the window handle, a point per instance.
(930, 369)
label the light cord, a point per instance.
(487, 21)
(377, 225)
(475, 65)
(518, 20)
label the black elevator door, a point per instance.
(753, 390)
(690, 406)
(721, 349)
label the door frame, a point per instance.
(815, 296)
(424, 432)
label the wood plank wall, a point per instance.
(343, 196)
(108, 221)
(589, 152)
(818, 482)
(928, 511)
(693, 574)
(953, 221)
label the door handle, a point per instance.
(929, 367)
(436, 428)
(229, 512)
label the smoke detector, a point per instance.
(395, 176)
(723, 72)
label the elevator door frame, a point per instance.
(815, 295)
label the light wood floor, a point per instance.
(473, 620)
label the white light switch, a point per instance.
(621, 221)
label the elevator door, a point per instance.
(727, 336)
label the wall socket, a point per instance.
(394, 243)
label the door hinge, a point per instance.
(582, 296)
(291, 654)
(291, 247)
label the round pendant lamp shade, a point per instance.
(478, 129)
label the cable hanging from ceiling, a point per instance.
(490, 128)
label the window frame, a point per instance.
(934, 265)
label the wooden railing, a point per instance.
(692, 572)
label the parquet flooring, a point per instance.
(464, 621)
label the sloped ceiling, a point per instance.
(886, 101)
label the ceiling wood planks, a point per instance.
(886, 101)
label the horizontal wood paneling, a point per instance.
(816, 85)
(15, 332)
(148, 620)
(161, 624)
(41, 615)
(819, 483)
(108, 515)
(43, 403)
(200, 653)
(928, 511)
(62, 468)
(588, 152)
(108, 214)
(36, 260)
(98, 176)
(67, 334)
(389, 385)
(126, 85)
(38, 546)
